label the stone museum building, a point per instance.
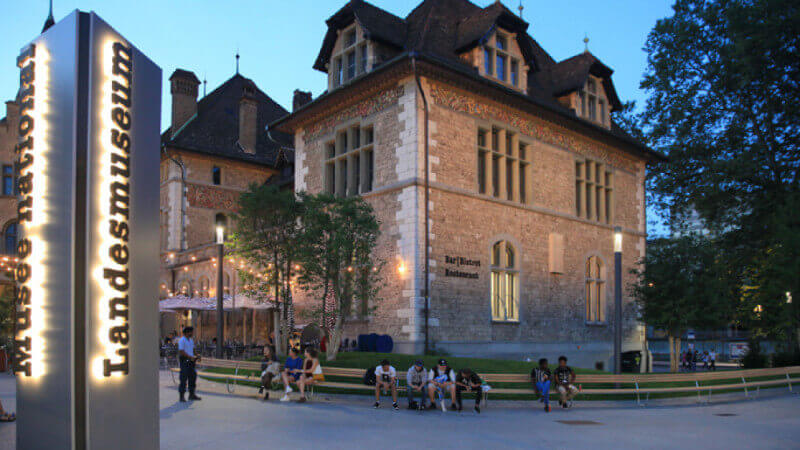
(527, 175)
(213, 150)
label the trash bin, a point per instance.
(631, 361)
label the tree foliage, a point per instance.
(723, 81)
(338, 265)
(266, 234)
(681, 284)
(315, 242)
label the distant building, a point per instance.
(8, 196)
(214, 149)
(528, 176)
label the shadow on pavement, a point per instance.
(167, 412)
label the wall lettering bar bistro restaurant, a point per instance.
(527, 174)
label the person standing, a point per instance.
(712, 359)
(188, 373)
(416, 381)
(541, 382)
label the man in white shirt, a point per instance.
(385, 379)
(187, 361)
(712, 359)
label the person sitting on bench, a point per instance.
(270, 369)
(541, 382)
(565, 382)
(442, 380)
(416, 382)
(309, 369)
(468, 380)
(291, 372)
(385, 379)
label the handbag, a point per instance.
(318, 375)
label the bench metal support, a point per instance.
(638, 400)
(697, 386)
(789, 381)
(744, 383)
(228, 381)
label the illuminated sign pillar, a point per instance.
(86, 324)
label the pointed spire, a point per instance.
(50, 21)
(205, 83)
(237, 61)
(520, 9)
(586, 43)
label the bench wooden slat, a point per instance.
(588, 379)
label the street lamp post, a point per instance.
(617, 300)
(220, 289)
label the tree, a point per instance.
(266, 235)
(723, 83)
(681, 284)
(337, 260)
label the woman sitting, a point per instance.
(311, 372)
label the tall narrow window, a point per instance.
(338, 72)
(488, 61)
(10, 236)
(501, 66)
(363, 58)
(216, 176)
(514, 72)
(8, 180)
(504, 289)
(351, 65)
(595, 290)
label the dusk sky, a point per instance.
(279, 40)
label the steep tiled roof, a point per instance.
(214, 130)
(444, 29)
(378, 24)
(440, 31)
(570, 75)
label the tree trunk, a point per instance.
(336, 339)
(671, 343)
(677, 353)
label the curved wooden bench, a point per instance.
(634, 384)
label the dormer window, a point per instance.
(593, 104)
(350, 58)
(500, 62)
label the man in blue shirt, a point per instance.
(291, 371)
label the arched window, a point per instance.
(216, 175)
(204, 287)
(504, 282)
(10, 236)
(595, 290)
(184, 289)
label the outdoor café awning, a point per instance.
(181, 303)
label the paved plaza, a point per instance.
(222, 421)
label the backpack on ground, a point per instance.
(369, 377)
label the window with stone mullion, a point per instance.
(350, 162)
(503, 168)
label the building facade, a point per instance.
(9, 135)
(213, 151)
(527, 175)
